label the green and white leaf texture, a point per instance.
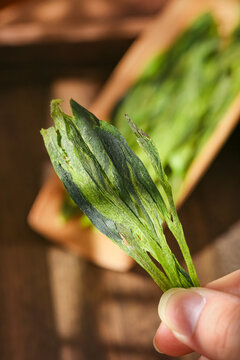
(111, 185)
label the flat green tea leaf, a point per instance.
(111, 185)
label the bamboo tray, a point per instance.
(44, 215)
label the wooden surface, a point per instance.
(5, 3)
(72, 21)
(53, 304)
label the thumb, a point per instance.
(208, 321)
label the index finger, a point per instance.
(229, 284)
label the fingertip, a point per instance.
(229, 283)
(180, 309)
(165, 342)
(205, 320)
(155, 345)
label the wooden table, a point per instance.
(53, 304)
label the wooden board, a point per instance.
(162, 32)
(45, 21)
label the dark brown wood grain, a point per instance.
(38, 21)
(5, 3)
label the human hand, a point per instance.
(205, 320)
